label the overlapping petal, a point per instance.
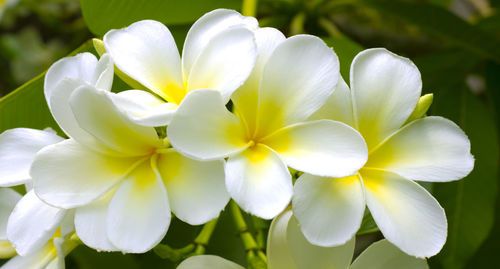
(32, 224)
(298, 78)
(259, 181)
(338, 107)
(8, 200)
(322, 147)
(146, 52)
(246, 98)
(69, 175)
(91, 223)
(204, 129)
(196, 190)
(39, 259)
(329, 210)
(384, 255)
(17, 150)
(428, 149)
(139, 212)
(385, 89)
(208, 261)
(408, 216)
(206, 28)
(225, 63)
(64, 77)
(98, 115)
(144, 108)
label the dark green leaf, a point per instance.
(470, 202)
(441, 22)
(101, 16)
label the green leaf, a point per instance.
(441, 22)
(469, 203)
(368, 224)
(26, 106)
(101, 16)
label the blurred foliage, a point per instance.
(455, 44)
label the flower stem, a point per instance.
(201, 241)
(249, 8)
(254, 253)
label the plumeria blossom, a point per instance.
(292, 78)
(288, 248)
(50, 254)
(118, 180)
(219, 53)
(385, 89)
(32, 222)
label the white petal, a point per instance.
(196, 190)
(408, 216)
(81, 67)
(98, 115)
(104, 72)
(69, 175)
(144, 108)
(39, 259)
(428, 149)
(65, 76)
(385, 89)
(32, 224)
(278, 251)
(91, 223)
(8, 200)
(202, 128)
(225, 63)
(329, 210)
(322, 147)
(245, 99)
(297, 79)
(146, 52)
(208, 261)
(205, 28)
(307, 255)
(17, 151)
(139, 213)
(259, 181)
(338, 107)
(384, 255)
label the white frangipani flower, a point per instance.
(385, 89)
(219, 53)
(291, 80)
(32, 222)
(288, 248)
(8, 200)
(118, 183)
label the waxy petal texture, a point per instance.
(8, 200)
(329, 210)
(298, 78)
(139, 213)
(196, 190)
(259, 181)
(323, 147)
(17, 151)
(32, 224)
(146, 52)
(428, 149)
(406, 214)
(338, 107)
(385, 90)
(204, 129)
(206, 28)
(225, 63)
(69, 175)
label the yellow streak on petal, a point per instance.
(173, 93)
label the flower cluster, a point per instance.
(229, 119)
